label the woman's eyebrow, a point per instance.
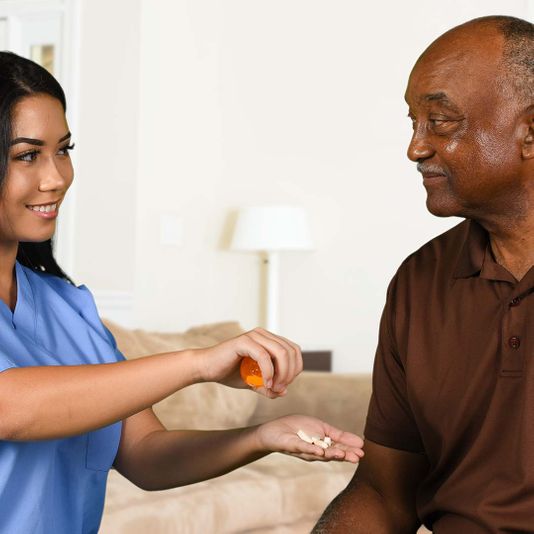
(36, 142)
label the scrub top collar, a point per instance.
(23, 317)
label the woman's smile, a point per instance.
(45, 211)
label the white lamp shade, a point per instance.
(272, 228)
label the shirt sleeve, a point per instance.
(390, 421)
(5, 363)
(120, 356)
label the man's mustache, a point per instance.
(430, 168)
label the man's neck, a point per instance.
(513, 245)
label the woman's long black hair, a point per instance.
(20, 77)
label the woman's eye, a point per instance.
(28, 156)
(64, 151)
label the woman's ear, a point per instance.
(527, 146)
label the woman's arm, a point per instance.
(59, 401)
(154, 458)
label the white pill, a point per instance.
(304, 437)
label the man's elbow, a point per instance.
(362, 508)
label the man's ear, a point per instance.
(527, 145)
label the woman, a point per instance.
(64, 421)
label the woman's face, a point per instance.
(39, 170)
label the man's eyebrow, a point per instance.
(442, 98)
(36, 142)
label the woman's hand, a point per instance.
(280, 435)
(279, 359)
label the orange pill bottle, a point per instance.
(250, 372)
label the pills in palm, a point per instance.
(324, 443)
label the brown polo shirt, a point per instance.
(454, 380)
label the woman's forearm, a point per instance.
(59, 401)
(171, 458)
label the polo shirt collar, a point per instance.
(476, 257)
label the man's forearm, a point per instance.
(171, 458)
(358, 509)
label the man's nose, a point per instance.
(420, 147)
(52, 177)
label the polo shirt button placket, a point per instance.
(514, 342)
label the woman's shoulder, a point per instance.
(43, 280)
(51, 290)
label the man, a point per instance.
(450, 428)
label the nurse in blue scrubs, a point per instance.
(71, 406)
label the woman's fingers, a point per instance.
(296, 350)
(286, 357)
(248, 346)
(344, 438)
(314, 452)
(280, 357)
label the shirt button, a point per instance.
(514, 342)
(515, 301)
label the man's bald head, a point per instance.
(517, 53)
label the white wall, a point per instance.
(106, 144)
(245, 102)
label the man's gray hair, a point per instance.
(518, 54)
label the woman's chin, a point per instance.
(33, 238)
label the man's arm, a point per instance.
(380, 498)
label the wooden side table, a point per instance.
(317, 360)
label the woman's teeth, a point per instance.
(50, 207)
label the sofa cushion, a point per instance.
(339, 399)
(138, 342)
(207, 406)
(274, 490)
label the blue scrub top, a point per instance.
(54, 486)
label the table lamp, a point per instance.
(271, 230)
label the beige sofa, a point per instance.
(277, 494)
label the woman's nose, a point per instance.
(55, 176)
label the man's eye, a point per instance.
(28, 156)
(438, 122)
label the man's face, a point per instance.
(465, 137)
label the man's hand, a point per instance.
(279, 359)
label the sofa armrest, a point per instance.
(340, 399)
